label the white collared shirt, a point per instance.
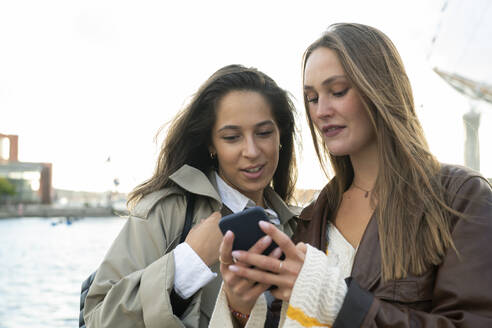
(237, 201)
(191, 273)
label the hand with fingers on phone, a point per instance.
(265, 270)
(241, 292)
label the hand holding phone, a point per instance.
(245, 227)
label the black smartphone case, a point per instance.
(244, 224)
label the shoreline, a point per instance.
(48, 211)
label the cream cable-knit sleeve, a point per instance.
(318, 293)
(221, 317)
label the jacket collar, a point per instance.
(195, 181)
(285, 213)
(187, 178)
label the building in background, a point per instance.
(461, 56)
(31, 181)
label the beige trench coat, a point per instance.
(134, 281)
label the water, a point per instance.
(42, 267)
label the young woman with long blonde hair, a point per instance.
(396, 239)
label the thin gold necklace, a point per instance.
(366, 191)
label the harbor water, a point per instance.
(42, 265)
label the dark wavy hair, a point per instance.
(190, 133)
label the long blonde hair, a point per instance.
(407, 184)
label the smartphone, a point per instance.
(246, 230)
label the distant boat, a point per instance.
(68, 220)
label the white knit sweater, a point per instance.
(318, 292)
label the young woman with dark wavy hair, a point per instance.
(231, 147)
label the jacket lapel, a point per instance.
(312, 229)
(210, 292)
(367, 263)
(311, 226)
(284, 212)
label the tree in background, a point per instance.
(6, 189)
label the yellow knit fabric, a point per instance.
(304, 320)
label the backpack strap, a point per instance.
(190, 205)
(83, 294)
(178, 304)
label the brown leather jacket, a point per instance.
(457, 293)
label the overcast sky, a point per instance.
(81, 81)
